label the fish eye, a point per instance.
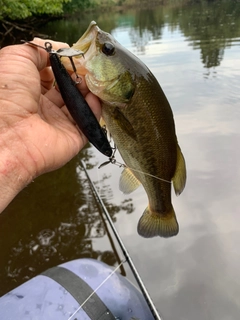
(108, 49)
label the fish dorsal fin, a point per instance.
(124, 123)
(128, 182)
(180, 176)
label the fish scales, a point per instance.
(140, 120)
(147, 145)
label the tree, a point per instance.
(22, 9)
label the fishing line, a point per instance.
(123, 248)
(98, 287)
(112, 160)
(147, 174)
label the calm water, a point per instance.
(194, 52)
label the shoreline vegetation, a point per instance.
(21, 19)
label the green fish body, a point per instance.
(140, 120)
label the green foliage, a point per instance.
(77, 5)
(22, 9)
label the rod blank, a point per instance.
(123, 248)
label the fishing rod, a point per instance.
(123, 248)
(110, 238)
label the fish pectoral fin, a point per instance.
(124, 123)
(152, 224)
(128, 182)
(102, 122)
(180, 176)
(104, 128)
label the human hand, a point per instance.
(37, 134)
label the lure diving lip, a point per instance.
(74, 100)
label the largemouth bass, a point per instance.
(140, 120)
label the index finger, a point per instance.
(55, 44)
(21, 55)
(40, 57)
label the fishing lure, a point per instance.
(74, 100)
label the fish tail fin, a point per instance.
(152, 224)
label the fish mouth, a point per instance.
(87, 38)
(90, 44)
(87, 45)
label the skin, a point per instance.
(37, 134)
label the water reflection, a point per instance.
(147, 26)
(210, 26)
(55, 219)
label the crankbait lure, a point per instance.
(74, 100)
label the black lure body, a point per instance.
(78, 107)
(74, 100)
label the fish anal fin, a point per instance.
(152, 224)
(180, 176)
(128, 182)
